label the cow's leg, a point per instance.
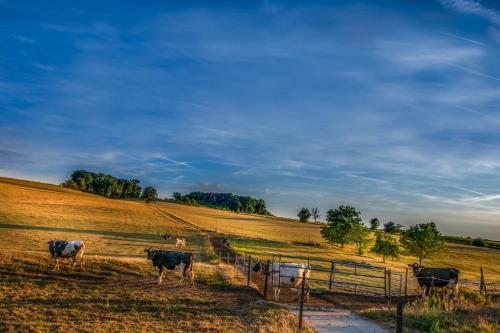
(73, 263)
(181, 272)
(160, 273)
(192, 277)
(54, 259)
(58, 264)
(276, 293)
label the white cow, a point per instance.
(63, 249)
(288, 275)
(180, 242)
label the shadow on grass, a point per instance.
(140, 236)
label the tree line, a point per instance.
(109, 186)
(344, 227)
(226, 201)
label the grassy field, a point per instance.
(261, 236)
(116, 291)
(118, 280)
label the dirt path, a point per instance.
(337, 320)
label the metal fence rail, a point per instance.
(350, 277)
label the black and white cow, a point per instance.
(436, 277)
(170, 259)
(63, 249)
(288, 275)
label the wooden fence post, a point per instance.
(399, 316)
(385, 282)
(301, 310)
(249, 268)
(355, 285)
(406, 282)
(236, 265)
(331, 274)
(266, 276)
(400, 284)
(389, 284)
(482, 283)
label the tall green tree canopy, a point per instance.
(359, 235)
(102, 184)
(423, 241)
(340, 221)
(149, 194)
(386, 246)
(374, 223)
(392, 228)
(304, 215)
(228, 201)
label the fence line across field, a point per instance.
(336, 276)
(348, 276)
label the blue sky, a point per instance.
(392, 107)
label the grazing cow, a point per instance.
(437, 277)
(63, 249)
(180, 242)
(169, 260)
(287, 275)
(167, 236)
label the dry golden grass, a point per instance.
(116, 291)
(117, 231)
(263, 236)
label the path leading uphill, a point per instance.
(337, 320)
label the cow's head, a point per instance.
(150, 252)
(416, 267)
(259, 266)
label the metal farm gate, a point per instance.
(345, 276)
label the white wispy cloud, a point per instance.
(474, 7)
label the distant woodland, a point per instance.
(227, 201)
(102, 184)
(118, 188)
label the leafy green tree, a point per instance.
(339, 224)
(478, 242)
(177, 196)
(374, 223)
(304, 215)
(359, 235)
(315, 214)
(390, 227)
(149, 194)
(70, 183)
(260, 207)
(423, 241)
(386, 246)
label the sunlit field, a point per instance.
(117, 290)
(119, 282)
(263, 236)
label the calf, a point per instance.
(436, 277)
(170, 259)
(180, 242)
(288, 275)
(64, 249)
